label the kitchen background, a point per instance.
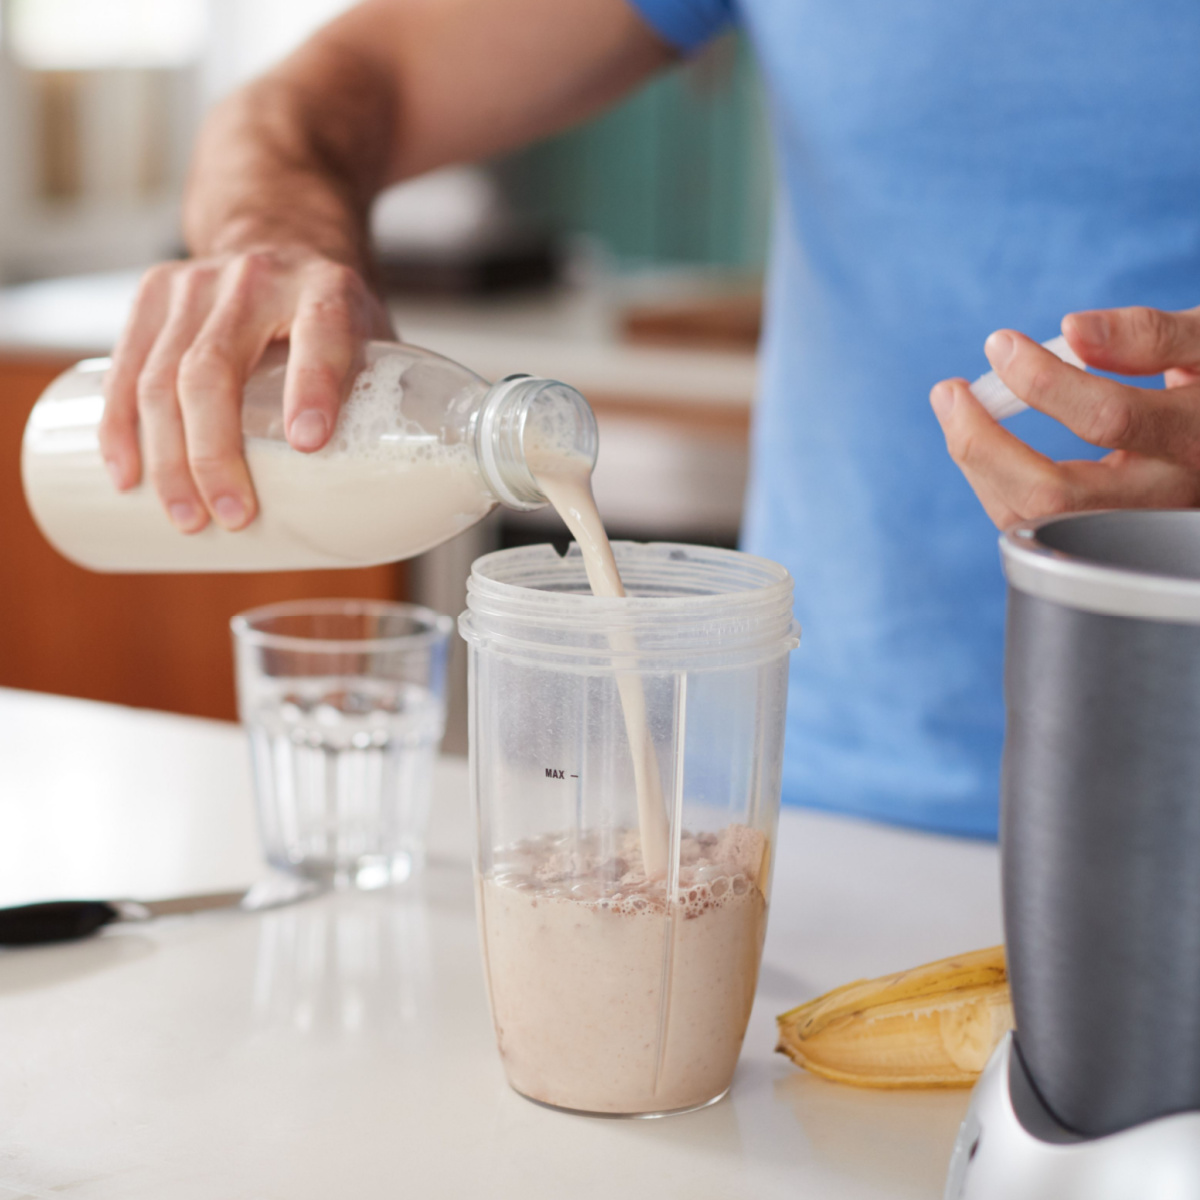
(623, 257)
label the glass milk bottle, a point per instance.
(423, 449)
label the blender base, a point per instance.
(1010, 1146)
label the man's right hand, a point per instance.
(197, 330)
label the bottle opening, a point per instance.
(526, 418)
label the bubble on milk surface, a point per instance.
(372, 424)
(715, 869)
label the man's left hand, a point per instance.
(1154, 433)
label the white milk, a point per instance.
(315, 512)
(606, 997)
(368, 497)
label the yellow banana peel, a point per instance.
(933, 1026)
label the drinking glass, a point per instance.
(344, 704)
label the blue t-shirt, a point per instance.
(948, 167)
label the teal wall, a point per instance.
(679, 173)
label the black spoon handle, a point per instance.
(53, 921)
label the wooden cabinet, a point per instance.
(155, 641)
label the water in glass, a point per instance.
(347, 762)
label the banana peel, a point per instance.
(932, 1026)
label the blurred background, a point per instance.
(624, 257)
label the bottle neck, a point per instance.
(521, 414)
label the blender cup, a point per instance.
(623, 910)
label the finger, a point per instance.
(1012, 480)
(119, 424)
(1163, 423)
(249, 310)
(334, 317)
(1123, 480)
(1135, 341)
(1001, 514)
(943, 397)
(163, 438)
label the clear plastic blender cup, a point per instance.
(621, 978)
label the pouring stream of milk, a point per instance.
(567, 483)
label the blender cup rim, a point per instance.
(751, 615)
(776, 578)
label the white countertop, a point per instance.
(342, 1047)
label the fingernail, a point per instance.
(114, 472)
(183, 514)
(942, 399)
(230, 511)
(1092, 327)
(1000, 348)
(309, 429)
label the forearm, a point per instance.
(294, 158)
(391, 89)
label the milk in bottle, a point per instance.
(423, 449)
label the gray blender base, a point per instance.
(1002, 1156)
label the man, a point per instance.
(946, 169)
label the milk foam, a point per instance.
(713, 867)
(372, 423)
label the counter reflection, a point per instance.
(345, 965)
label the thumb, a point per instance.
(1135, 341)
